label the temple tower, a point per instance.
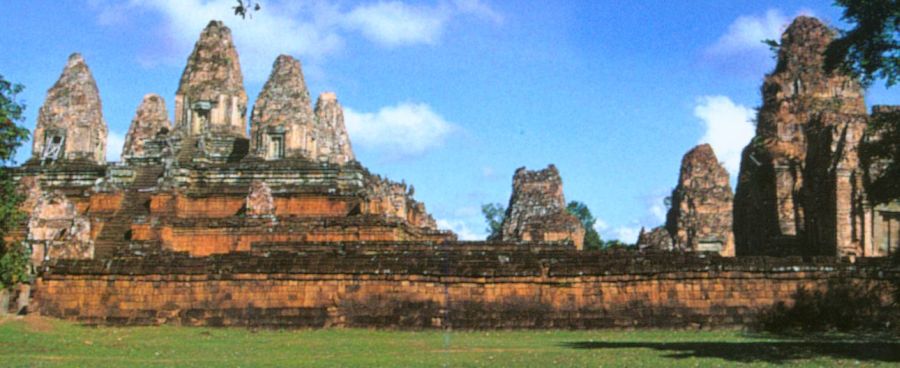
(70, 124)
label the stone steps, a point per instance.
(116, 230)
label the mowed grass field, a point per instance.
(38, 342)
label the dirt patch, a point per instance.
(37, 323)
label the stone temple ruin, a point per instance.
(537, 210)
(801, 184)
(203, 224)
(203, 186)
(699, 219)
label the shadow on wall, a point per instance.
(774, 352)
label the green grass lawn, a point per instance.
(35, 342)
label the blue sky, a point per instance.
(453, 96)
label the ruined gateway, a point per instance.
(203, 224)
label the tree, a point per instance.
(246, 8)
(871, 50)
(582, 213)
(494, 214)
(617, 244)
(880, 154)
(13, 257)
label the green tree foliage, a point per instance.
(871, 50)
(582, 213)
(617, 244)
(245, 8)
(13, 257)
(881, 147)
(494, 214)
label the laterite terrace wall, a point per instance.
(415, 288)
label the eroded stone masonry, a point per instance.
(203, 224)
(801, 184)
(537, 209)
(203, 186)
(699, 217)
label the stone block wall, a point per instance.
(457, 286)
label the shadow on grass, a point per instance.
(776, 352)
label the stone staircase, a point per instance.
(135, 205)
(187, 150)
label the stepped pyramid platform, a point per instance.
(203, 186)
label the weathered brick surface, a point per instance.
(800, 188)
(71, 118)
(537, 209)
(460, 286)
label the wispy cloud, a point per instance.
(403, 130)
(741, 48)
(747, 32)
(463, 229)
(311, 30)
(654, 215)
(114, 143)
(395, 23)
(729, 127)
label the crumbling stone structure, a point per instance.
(198, 188)
(800, 180)
(56, 229)
(260, 202)
(70, 125)
(283, 123)
(211, 94)
(657, 239)
(150, 120)
(211, 104)
(882, 220)
(700, 216)
(453, 285)
(334, 142)
(311, 238)
(537, 209)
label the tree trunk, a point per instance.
(4, 301)
(23, 298)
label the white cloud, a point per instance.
(478, 8)
(601, 226)
(658, 209)
(740, 49)
(308, 30)
(729, 127)
(461, 228)
(395, 23)
(114, 143)
(406, 129)
(654, 216)
(628, 234)
(747, 32)
(311, 30)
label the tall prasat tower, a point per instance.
(203, 186)
(211, 104)
(70, 125)
(800, 181)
